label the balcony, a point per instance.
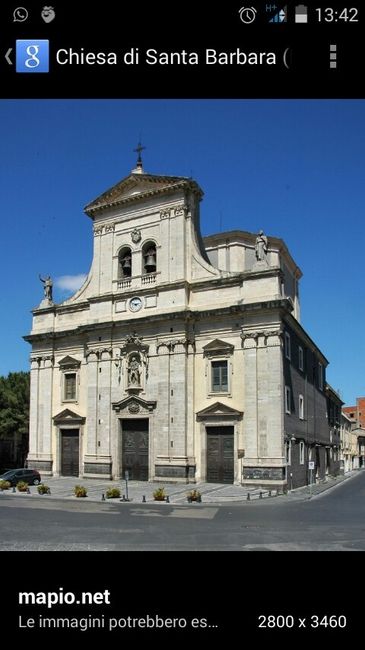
(136, 282)
(124, 284)
(149, 278)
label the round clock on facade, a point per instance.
(135, 304)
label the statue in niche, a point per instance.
(48, 285)
(261, 246)
(134, 373)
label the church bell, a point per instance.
(150, 263)
(126, 265)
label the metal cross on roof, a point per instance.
(139, 149)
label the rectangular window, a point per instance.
(219, 376)
(301, 453)
(287, 346)
(301, 407)
(287, 399)
(301, 358)
(320, 376)
(70, 386)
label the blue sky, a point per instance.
(293, 168)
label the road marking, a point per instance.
(69, 506)
(305, 546)
(179, 513)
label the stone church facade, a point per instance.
(180, 358)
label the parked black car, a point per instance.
(30, 476)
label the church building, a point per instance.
(181, 358)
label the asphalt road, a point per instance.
(332, 521)
(229, 593)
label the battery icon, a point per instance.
(301, 14)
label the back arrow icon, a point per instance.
(7, 56)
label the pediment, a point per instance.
(69, 362)
(134, 404)
(218, 410)
(218, 347)
(68, 417)
(139, 186)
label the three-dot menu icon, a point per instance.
(333, 56)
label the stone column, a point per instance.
(92, 402)
(163, 260)
(46, 377)
(250, 418)
(40, 427)
(190, 410)
(98, 229)
(163, 405)
(33, 421)
(275, 405)
(263, 397)
(263, 419)
(106, 258)
(104, 400)
(117, 394)
(178, 400)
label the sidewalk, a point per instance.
(142, 492)
(307, 492)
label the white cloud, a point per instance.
(70, 282)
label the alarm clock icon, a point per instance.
(247, 14)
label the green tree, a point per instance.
(14, 404)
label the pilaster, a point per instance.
(263, 422)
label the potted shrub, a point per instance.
(5, 485)
(43, 489)
(194, 495)
(22, 486)
(80, 491)
(113, 493)
(159, 494)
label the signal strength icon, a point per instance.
(281, 16)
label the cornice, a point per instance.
(232, 279)
(235, 278)
(187, 315)
(45, 310)
(75, 306)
